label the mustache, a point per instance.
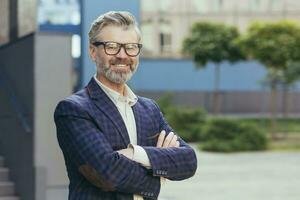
(121, 61)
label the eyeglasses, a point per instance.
(113, 48)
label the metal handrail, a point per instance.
(14, 102)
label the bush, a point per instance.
(220, 129)
(187, 122)
(223, 135)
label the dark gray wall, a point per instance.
(16, 145)
(232, 102)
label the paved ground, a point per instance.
(237, 176)
(240, 176)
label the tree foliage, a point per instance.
(273, 44)
(212, 42)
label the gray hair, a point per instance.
(116, 18)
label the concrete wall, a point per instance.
(16, 145)
(53, 65)
(38, 70)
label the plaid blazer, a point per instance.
(90, 130)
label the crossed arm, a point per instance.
(84, 143)
(164, 141)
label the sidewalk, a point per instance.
(240, 176)
(235, 176)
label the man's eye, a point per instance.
(131, 46)
(112, 46)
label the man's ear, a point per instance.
(92, 52)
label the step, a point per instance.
(1, 161)
(9, 198)
(7, 188)
(4, 174)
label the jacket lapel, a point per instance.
(138, 121)
(104, 103)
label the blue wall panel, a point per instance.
(180, 75)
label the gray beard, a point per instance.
(116, 77)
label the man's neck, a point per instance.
(120, 88)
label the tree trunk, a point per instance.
(285, 106)
(273, 109)
(285, 101)
(216, 93)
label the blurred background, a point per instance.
(224, 72)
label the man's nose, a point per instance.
(122, 53)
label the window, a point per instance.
(165, 42)
(255, 5)
(200, 6)
(4, 21)
(26, 17)
(76, 46)
(217, 5)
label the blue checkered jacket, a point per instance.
(90, 130)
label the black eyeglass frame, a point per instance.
(98, 43)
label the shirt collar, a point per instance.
(129, 97)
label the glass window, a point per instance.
(165, 5)
(165, 42)
(255, 5)
(275, 5)
(27, 17)
(200, 6)
(59, 13)
(148, 32)
(4, 21)
(149, 6)
(76, 46)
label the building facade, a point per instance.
(165, 23)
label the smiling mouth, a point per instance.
(121, 67)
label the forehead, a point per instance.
(118, 34)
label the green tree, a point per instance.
(212, 42)
(275, 45)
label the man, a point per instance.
(116, 145)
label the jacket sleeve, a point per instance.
(174, 163)
(86, 146)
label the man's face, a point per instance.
(117, 68)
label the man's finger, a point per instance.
(168, 140)
(173, 141)
(161, 138)
(177, 144)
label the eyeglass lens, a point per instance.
(113, 48)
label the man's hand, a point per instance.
(169, 141)
(127, 153)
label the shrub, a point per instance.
(187, 122)
(220, 129)
(223, 135)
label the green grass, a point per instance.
(284, 146)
